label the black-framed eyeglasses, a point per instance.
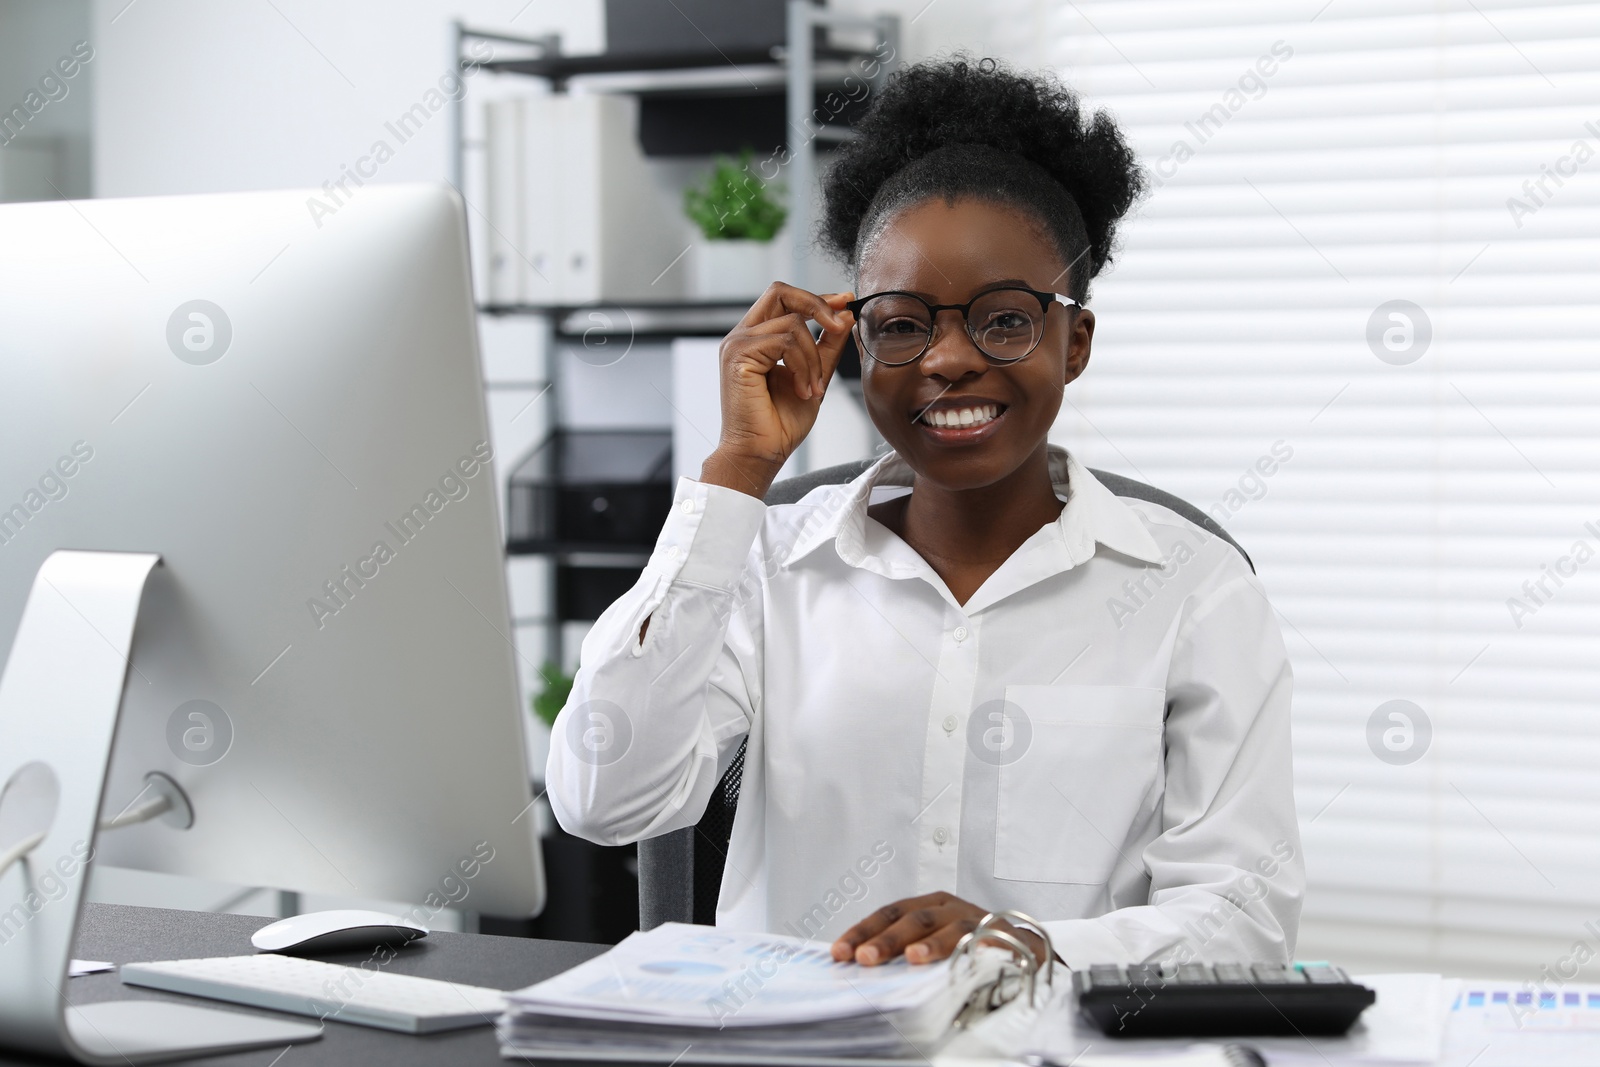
(895, 328)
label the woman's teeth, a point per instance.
(975, 416)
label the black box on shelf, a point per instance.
(698, 124)
(591, 490)
(636, 27)
(582, 593)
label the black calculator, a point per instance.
(1219, 999)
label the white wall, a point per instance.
(34, 37)
(198, 97)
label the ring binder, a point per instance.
(693, 994)
(988, 931)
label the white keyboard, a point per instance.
(365, 996)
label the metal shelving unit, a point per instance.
(806, 63)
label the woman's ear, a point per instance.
(1080, 338)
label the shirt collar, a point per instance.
(1092, 515)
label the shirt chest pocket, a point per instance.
(1087, 769)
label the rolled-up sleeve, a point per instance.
(1226, 872)
(652, 718)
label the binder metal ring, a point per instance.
(1025, 958)
(1026, 922)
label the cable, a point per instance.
(153, 808)
(19, 850)
(170, 801)
(169, 804)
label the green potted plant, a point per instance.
(738, 214)
(548, 702)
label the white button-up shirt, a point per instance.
(1098, 737)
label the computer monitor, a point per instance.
(280, 394)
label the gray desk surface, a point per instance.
(125, 935)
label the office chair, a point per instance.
(680, 873)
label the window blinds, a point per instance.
(1357, 321)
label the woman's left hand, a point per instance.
(925, 928)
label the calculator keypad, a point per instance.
(1211, 999)
(1108, 975)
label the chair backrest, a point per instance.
(680, 874)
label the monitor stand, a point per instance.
(60, 697)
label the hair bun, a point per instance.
(959, 100)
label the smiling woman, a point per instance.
(921, 660)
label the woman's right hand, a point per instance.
(769, 406)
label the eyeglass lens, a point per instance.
(1005, 324)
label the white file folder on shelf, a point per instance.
(576, 213)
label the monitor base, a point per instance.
(149, 1031)
(60, 698)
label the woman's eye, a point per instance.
(902, 326)
(1006, 320)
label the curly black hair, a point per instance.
(957, 128)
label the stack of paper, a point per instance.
(703, 995)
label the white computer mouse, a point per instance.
(335, 931)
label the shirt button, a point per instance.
(672, 550)
(940, 835)
(949, 724)
(960, 633)
(686, 505)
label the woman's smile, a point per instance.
(960, 420)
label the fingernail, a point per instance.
(917, 953)
(867, 954)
